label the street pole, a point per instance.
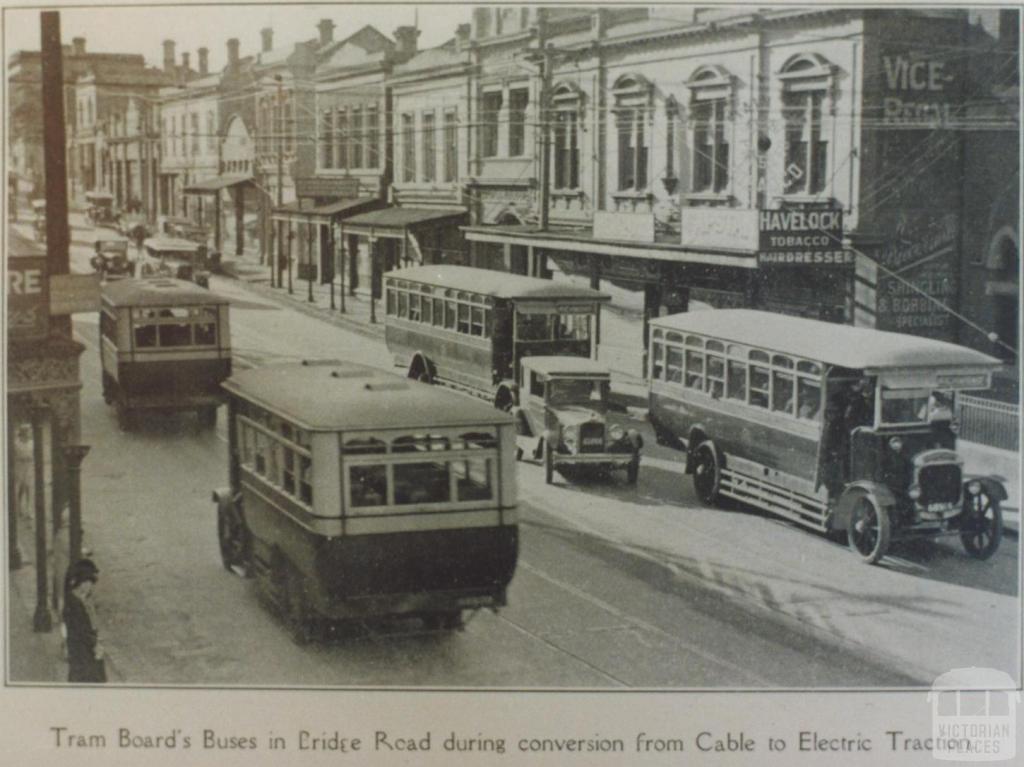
(332, 251)
(279, 139)
(54, 157)
(14, 561)
(41, 620)
(342, 252)
(309, 262)
(74, 455)
(545, 137)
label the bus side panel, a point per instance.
(456, 357)
(750, 437)
(273, 530)
(180, 383)
(108, 358)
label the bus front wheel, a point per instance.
(869, 530)
(984, 526)
(707, 473)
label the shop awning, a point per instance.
(395, 222)
(304, 213)
(215, 184)
(583, 241)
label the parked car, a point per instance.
(111, 259)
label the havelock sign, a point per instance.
(802, 238)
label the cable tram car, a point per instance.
(165, 345)
(356, 495)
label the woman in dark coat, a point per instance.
(85, 654)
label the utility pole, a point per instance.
(279, 139)
(545, 134)
(55, 160)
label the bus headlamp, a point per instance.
(896, 444)
(974, 487)
(569, 437)
(616, 432)
(914, 492)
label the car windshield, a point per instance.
(588, 392)
(915, 406)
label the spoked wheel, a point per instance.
(707, 474)
(235, 541)
(869, 530)
(983, 526)
(295, 605)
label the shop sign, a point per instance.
(802, 238)
(326, 186)
(919, 89)
(74, 293)
(634, 227)
(719, 229)
(28, 299)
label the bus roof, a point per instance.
(493, 283)
(158, 291)
(337, 396)
(841, 345)
(566, 366)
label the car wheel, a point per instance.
(633, 470)
(869, 530)
(982, 529)
(707, 474)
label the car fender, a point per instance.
(879, 493)
(696, 436)
(993, 486)
(421, 359)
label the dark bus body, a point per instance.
(164, 346)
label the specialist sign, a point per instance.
(28, 300)
(802, 238)
(327, 186)
(74, 293)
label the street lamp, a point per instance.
(41, 620)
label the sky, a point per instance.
(127, 29)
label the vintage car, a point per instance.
(178, 258)
(101, 209)
(185, 229)
(135, 227)
(39, 220)
(111, 259)
(563, 418)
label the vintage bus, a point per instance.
(468, 328)
(357, 495)
(165, 345)
(835, 427)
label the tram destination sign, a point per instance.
(802, 238)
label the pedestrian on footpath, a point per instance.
(85, 653)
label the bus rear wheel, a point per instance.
(983, 526)
(707, 473)
(869, 531)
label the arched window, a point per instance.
(711, 92)
(566, 103)
(632, 127)
(806, 81)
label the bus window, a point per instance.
(368, 485)
(428, 311)
(674, 364)
(473, 479)
(177, 334)
(808, 398)
(477, 321)
(438, 312)
(145, 336)
(390, 308)
(449, 314)
(259, 445)
(904, 406)
(782, 392)
(463, 326)
(758, 386)
(414, 307)
(715, 385)
(403, 304)
(737, 380)
(657, 360)
(536, 386)
(425, 482)
(694, 369)
(305, 480)
(478, 441)
(533, 327)
(288, 480)
(206, 334)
